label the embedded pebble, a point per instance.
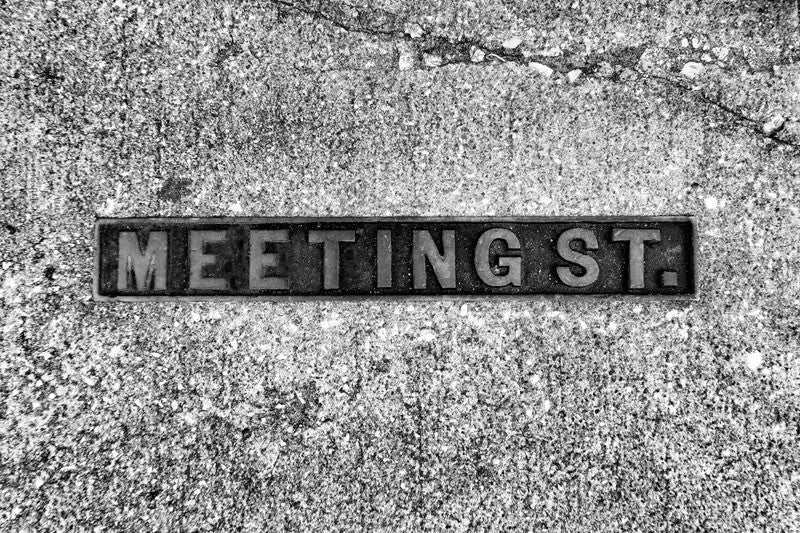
(754, 360)
(431, 60)
(426, 335)
(774, 125)
(414, 30)
(551, 52)
(540, 69)
(573, 75)
(407, 56)
(721, 52)
(692, 69)
(512, 43)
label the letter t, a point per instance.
(331, 240)
(636, 239)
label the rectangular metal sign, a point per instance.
(271, 258)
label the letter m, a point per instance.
(146, 270)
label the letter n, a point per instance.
(444, 265)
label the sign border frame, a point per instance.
(283, 298)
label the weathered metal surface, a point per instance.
(271, 258)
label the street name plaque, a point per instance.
(272, 258)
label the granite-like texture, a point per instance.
(562, 415)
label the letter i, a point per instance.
(384, 258)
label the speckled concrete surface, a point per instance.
(561, 415)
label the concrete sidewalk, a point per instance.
(568, 415)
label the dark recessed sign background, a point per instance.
(197, 258)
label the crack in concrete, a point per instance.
(436, 52)
(755, 125)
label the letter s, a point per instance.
(588, 263)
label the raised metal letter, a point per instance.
(148, 268)
(444, 266)
(259, 260)
(513, 263)
(384, 258)
(588, 263)
(636, 238)
(198, 259)
(331, 240)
